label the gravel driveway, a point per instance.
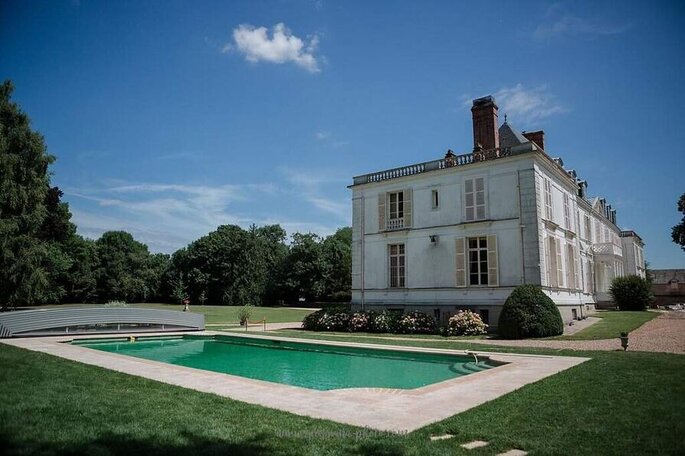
(666, 333)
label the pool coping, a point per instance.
(383, 409)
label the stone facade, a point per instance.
(463, 231)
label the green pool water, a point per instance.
(315, 366)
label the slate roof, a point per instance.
(509, 136)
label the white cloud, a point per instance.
(281, 47)
(569, 24)
(522, 104)
(310, 186)
(167, 217)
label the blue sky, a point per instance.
(169, 118)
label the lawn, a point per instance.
(617, 403)
(228, 314)
(612, 323)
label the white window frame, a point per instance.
(475, 207)
(435, 199)
(397, 266)
(481, 260)
(396, 212)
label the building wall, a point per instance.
(512, 217)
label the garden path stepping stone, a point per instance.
(441, 437)
(474, 444)
(514, 453)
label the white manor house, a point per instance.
(462, 231)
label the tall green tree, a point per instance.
(678, 231)
(122, 261)
(337, 251)
(24, 186)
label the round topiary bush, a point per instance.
(529, 312)
(631, 293)
(466, 323)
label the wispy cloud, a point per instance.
(524, 104)
(558, 22)
(311, 187)
(281, 47)
(167, 216)
(528, 104)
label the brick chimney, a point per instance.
(538, 137)
(485, 125)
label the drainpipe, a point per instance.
(521, 227)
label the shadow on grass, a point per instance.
(123, 445)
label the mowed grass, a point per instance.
(616, 403)
(225, 314)
(612, 323)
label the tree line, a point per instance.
(44, 261)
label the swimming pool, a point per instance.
(308, 365)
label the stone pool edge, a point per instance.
(382, 409)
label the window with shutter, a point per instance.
(549, 213)
(381, 211)
(567, 213)
(396, 210)
(474, 199)
(551, 258)
(407, 198)
(478, 260)
(461, 262)
(560, 265)
(570, 267)
(493, 270)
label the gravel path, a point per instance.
(666, 333)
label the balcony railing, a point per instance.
(607, 248)
(395, 224)
(448, 162)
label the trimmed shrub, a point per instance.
(359, 322)
(631, 293)
(382, 322)
(529, 312)
(466, 323)
(311, 321)
(331, 319)
(416, 323)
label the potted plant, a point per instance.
(624, 340)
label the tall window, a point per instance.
(567, 212)
(396, 265)
(548, 199)
(570, 266)
(478, 261)
(588, 229)
(474, 198)
(396, 210)
(435, 200)
(555, 266)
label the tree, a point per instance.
(631, 292)
(24, 184)
(122, 261)
(678, 231)
(304, 271)
(337, 252)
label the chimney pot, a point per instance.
(485, 124)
